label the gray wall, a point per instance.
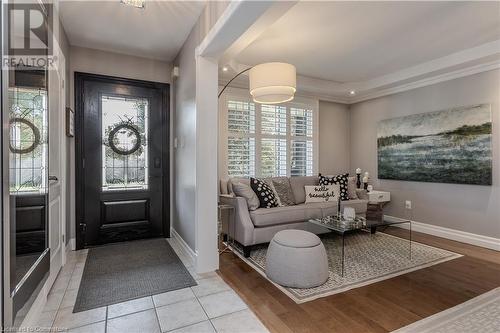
(184, 104)
(334, 129)
(106, 63)
(468, 208)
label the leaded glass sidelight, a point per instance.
(124, 143)
(28, 140)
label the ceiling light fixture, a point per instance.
(270, 83)
(273, 82)
(352, 92)
(134, 3)
(224, 69)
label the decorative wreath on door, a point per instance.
(112, 139)
(36, 136)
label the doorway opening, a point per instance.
(121, 159)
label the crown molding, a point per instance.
(471, 61)
(471, 70)
(467, 56)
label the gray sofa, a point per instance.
(260, 225)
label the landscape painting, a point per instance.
(449, 146)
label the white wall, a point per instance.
(334, 130)
(185, 127)
(469, 208)
(113, 64)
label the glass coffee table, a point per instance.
(342, 227)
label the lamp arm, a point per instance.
(227, 84)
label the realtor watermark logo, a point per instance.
(29, 36)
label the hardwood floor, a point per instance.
(379, 307)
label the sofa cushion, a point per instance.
(264, 217)
(298, 183)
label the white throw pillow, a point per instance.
(322, 193)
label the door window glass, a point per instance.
(124, 143)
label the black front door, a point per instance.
(121, 159)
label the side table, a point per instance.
(230, 227)
(376, 202)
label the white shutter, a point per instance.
(301, 157)
(241, 139)
(240, 117)
(301, 122)
(301, 143)
(241, 157)
(273, 119)
(273, 157)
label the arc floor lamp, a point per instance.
(270, 83)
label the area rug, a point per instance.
(480, 314)
(369, 258)
(121, 272)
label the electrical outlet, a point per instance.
(408, 204)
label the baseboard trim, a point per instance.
(31, 320)
(456, 235)
(182, 243)
(72, 244)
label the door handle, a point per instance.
(53, 178)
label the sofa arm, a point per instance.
(362, 193)
(243, 226)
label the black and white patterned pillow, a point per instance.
(264, 192)
(341, 180)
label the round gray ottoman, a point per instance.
(296, 258)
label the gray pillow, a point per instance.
(284, 190)
(245, 191)
(269, 181)
(351, 188)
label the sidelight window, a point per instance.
(28, 139)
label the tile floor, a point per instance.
(211, 306)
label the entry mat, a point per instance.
(125, 271)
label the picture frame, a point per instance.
(70, 122)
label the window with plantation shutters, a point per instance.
(269, 140)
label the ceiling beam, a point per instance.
(240, 24)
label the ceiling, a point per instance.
(158, 31)
(347, 42)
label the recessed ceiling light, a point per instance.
(134, 3)
(224, 69)
(352, 92)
